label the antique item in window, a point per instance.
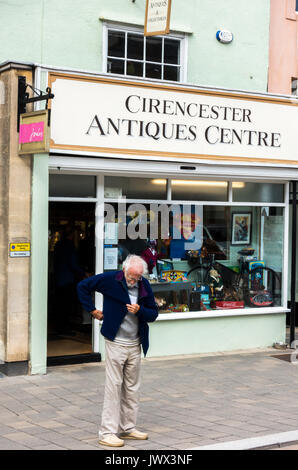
(241, 228)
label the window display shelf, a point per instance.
(166, 286)
(222, 313)
(216, 314)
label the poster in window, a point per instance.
(241, 228)
(110, 258)
(111, 233)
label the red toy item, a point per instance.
(150, 255)
(229, 304)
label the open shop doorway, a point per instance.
(71, 258)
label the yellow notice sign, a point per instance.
(19, 249)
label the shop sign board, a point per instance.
(157, 17)
(108, 117)
(19, 250)
(34, 132)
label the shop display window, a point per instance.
(201, 257)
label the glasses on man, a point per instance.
(134, 279)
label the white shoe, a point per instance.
(112, 441)
(134, 435)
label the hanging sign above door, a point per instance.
(34, 132)
(157, 17)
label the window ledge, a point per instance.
(221, 313)
(136, 23)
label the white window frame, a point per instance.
(132, 29)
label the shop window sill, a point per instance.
(221, 313)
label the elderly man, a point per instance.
(128, 306)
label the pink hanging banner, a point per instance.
(33, 132)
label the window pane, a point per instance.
(194, 190)
(272, 221)
(153, 71)
(153, 49)
(171, 51)
(259, 246)
(135, 46)
(216, 231)
(116, 44)
(135, 188)
(257, 192)
(193, 260)
(171, 73)
(135, 68)
(116, 66)
(131, 47)
(72, 186)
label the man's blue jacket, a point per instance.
(115, 297)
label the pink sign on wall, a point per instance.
(33, 132)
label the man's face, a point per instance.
(132, 275)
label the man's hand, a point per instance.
(97, 314)
(133, 308)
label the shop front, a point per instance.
(196, 181)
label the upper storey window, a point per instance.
(130, 53)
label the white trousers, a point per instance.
(121, 396)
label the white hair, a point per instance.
(133, 260)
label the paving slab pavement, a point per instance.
(187, 402)
(289, 447)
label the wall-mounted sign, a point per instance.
(157, 17)
(119, 117)
(34, 132)
(224, 36)
(19, 250)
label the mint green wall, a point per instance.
(220, 334)
(241, 64)
(68, 33)
(39, 259)
(203, 335)
(39, 265)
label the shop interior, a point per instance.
(71, 258)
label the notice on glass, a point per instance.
(110, 258)
(111, 233)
